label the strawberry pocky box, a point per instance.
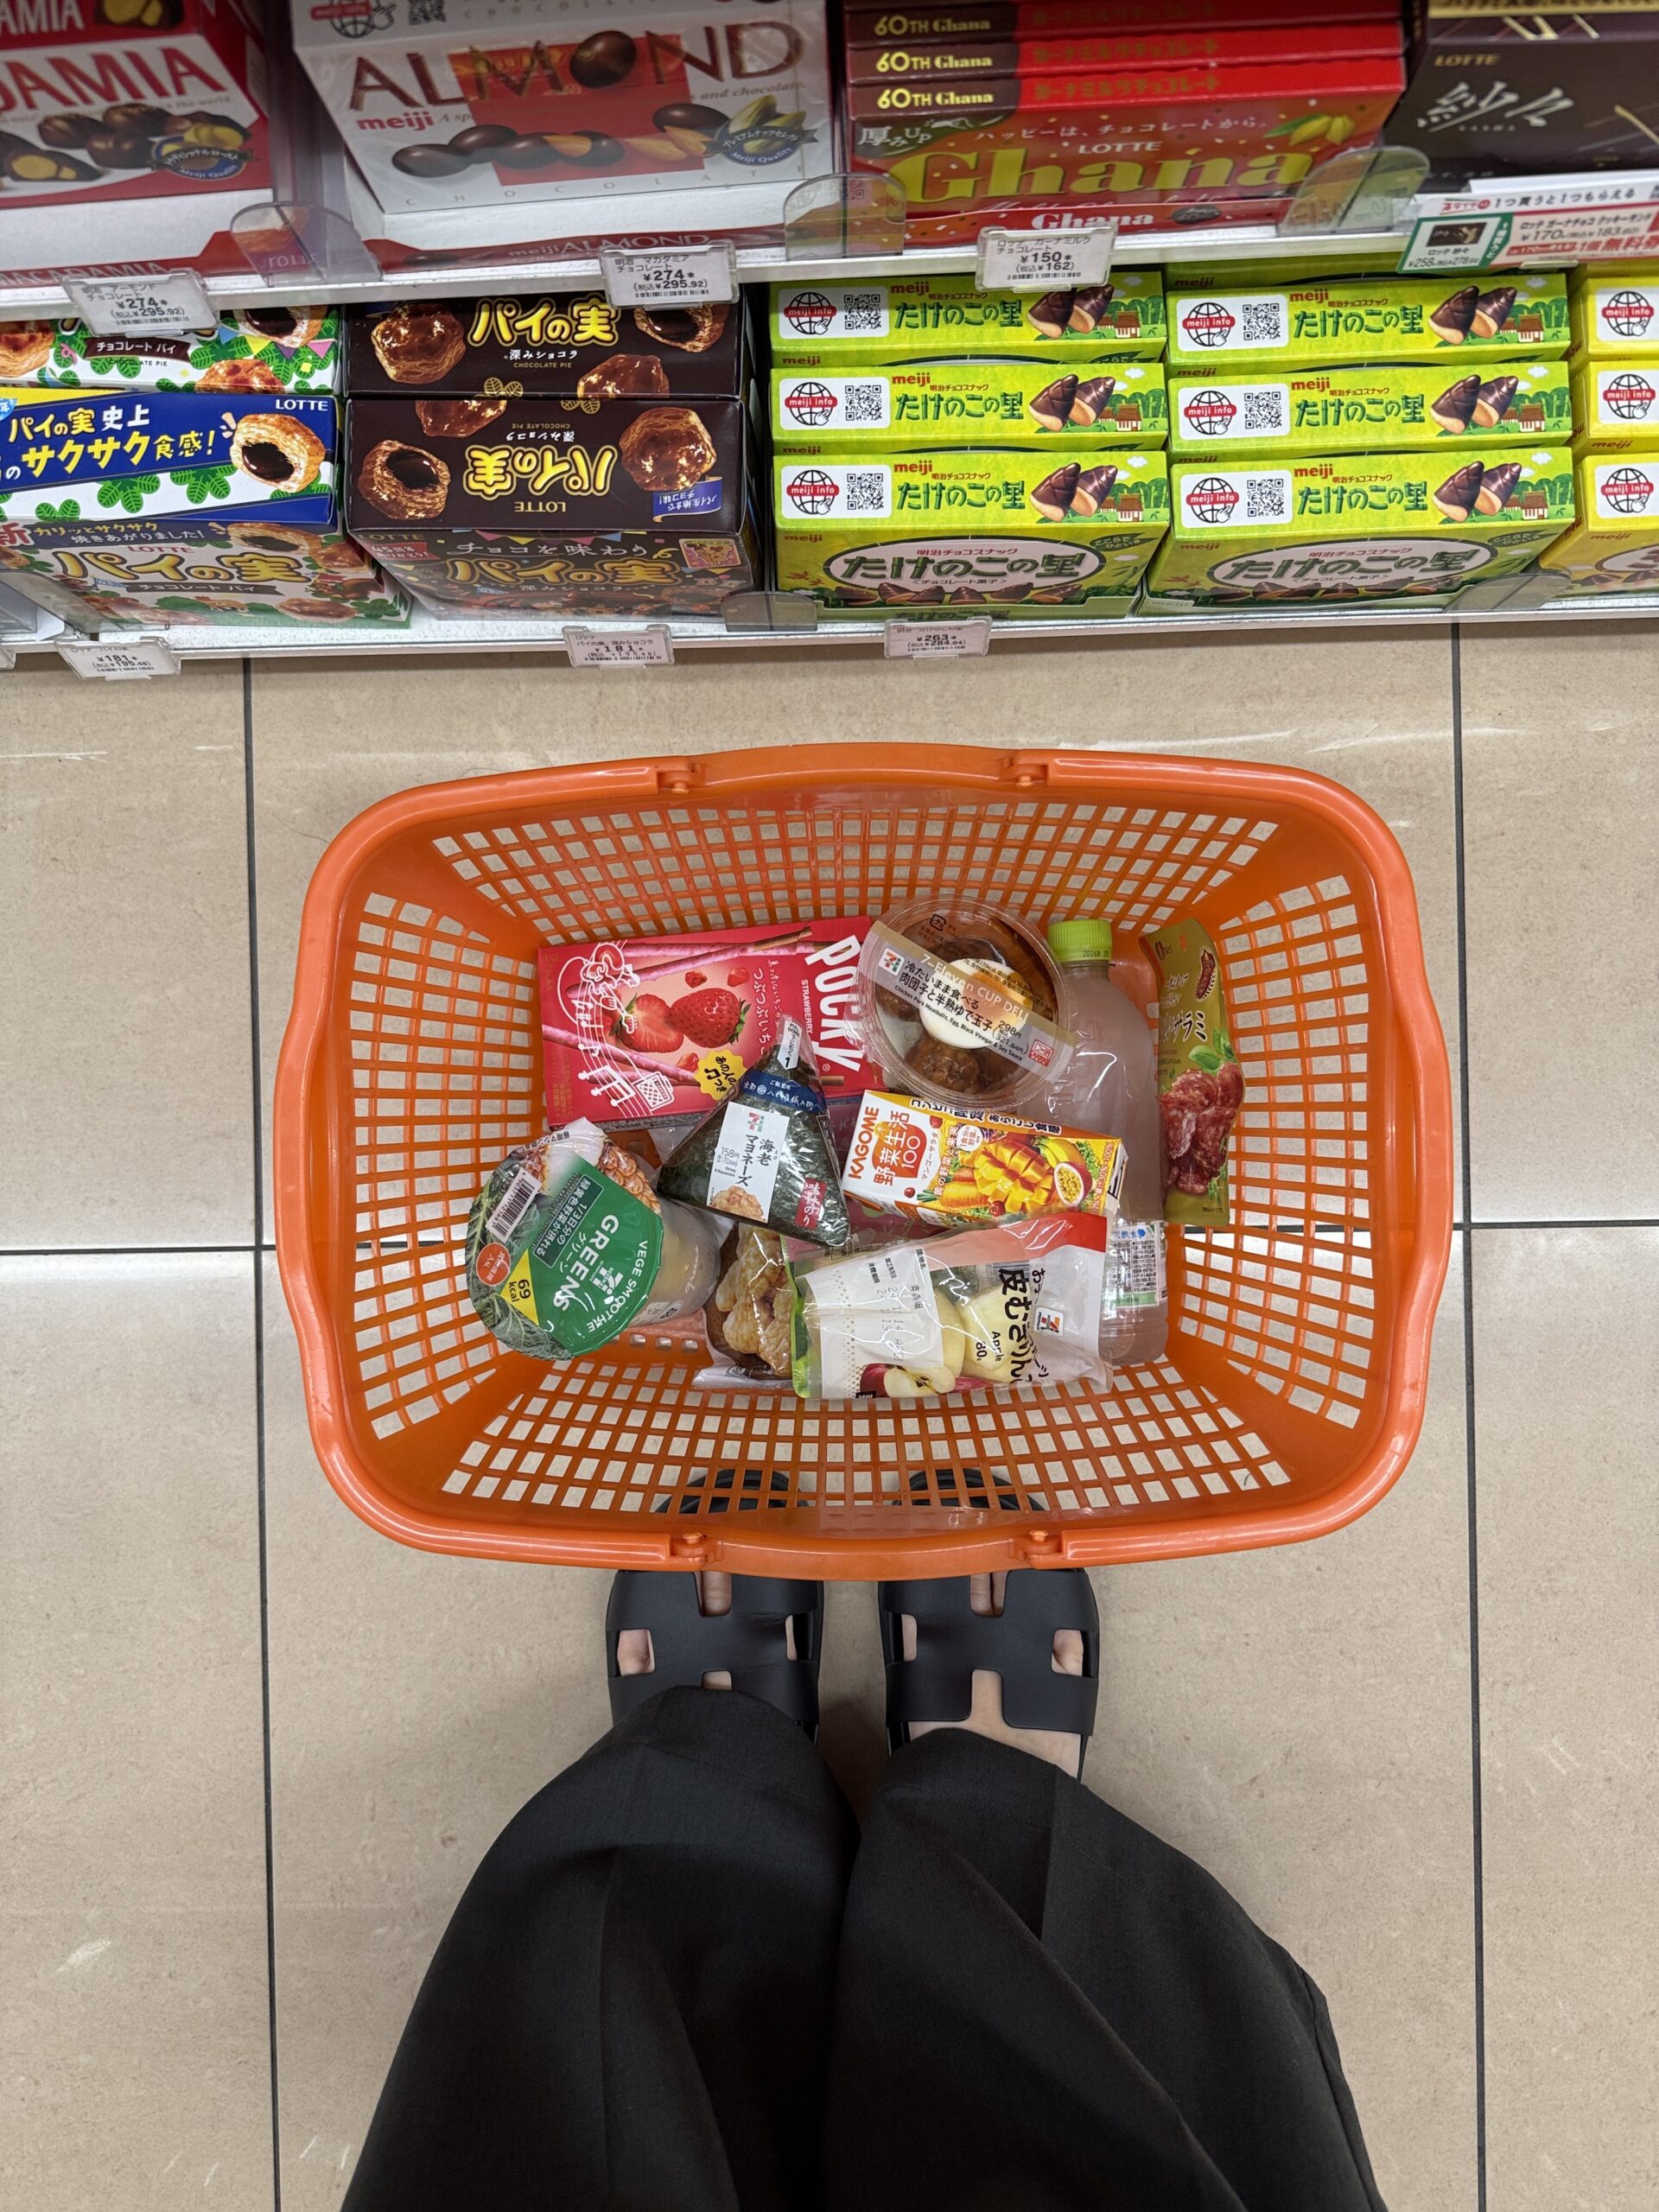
(646, 1026)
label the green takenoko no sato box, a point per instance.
(923, 404)
(949, 318)
(1360, 526)
(978, 528)
(1363, 319)
(1395, 410)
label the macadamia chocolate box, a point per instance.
(949, 318)
(1616, 404)
(1614, 544)
(487, 103)
(1388, 410)
(179, 508)
(1361, 321)
(1615, 315)
(1360, 526)
(980, 528)
(925, 405)
(249, 349)
(572, 345)
(491, 505)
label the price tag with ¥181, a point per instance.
(119, 660)
(669, 275)
(937, 640)
(1039, 261)
(651, 648)
(168, 306)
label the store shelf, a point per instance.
(431, 634)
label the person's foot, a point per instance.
(1067, 1653)
(663, 1631)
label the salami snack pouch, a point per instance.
(1200, 1084)
(1012, 1303)
(766, 1156)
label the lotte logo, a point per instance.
(1206, 322)
(1209, 414)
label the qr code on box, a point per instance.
(866, 492)
(866, 404)
(1263, 409)
(863, 315)
(1262, 322)
(1267, 499)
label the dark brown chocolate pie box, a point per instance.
(573, 345)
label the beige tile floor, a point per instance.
(251, 1752)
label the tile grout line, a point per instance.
(1466, 1239)
(259, 1270)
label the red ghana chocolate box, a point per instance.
(890, 60)
(103, 101)
(1146, 137)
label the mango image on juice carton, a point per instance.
(918, 405)
(948, 318)
(1395, 408)
(1615, 545)
(1362, 321)
(1359, 526)
(1615, 312)
(953, 1170)
(1616, 403)
(976, 528)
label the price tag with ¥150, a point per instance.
(1040, 261)
(648, 648)
(670, 276)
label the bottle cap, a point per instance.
(1085, 938)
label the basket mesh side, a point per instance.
(445, 1050)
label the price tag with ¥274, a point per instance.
(669, 275)
(650, 648)
(1038, 261)
(937, 640)
(167, 306)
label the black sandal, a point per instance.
(953, 1642)
(747, 1641)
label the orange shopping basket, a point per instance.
(1292, 1391)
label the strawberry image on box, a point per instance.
(663, 1026)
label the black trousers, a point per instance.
(681, 1981)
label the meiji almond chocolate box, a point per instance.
(921, 404)
(1359, 526)
(101, 100)
(1361, 321)
(1370, 410)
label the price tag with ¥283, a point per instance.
(1038, 261)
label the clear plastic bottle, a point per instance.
(1111, 1086)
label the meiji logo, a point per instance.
(1630, 396)
(1213, 499)
(1627, 491)
(808, 313)
(810, 404)
(1209, 414)
(813, 493)
(1629, 313)
(1208, 323)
